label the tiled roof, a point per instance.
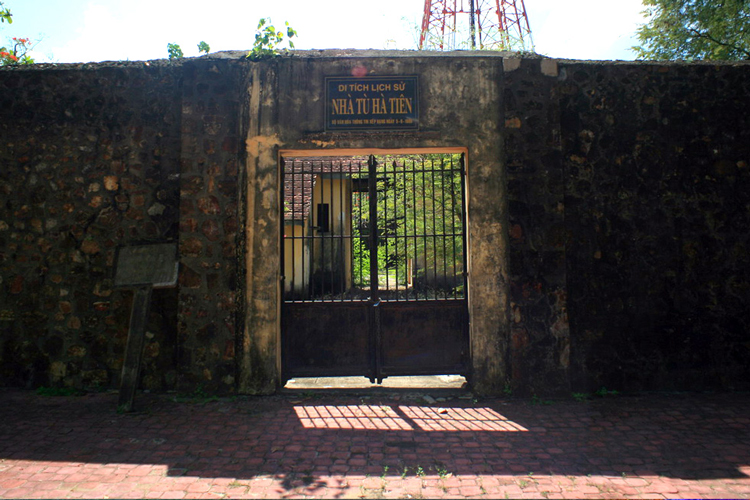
(299, 180)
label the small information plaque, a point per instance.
(153, 265)
(144, 268)
(372, 103)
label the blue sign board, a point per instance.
(372, 103)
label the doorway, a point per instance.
(374, 265)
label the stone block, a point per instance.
(210, 229)
(511, 64)
(549, 67)
(90, 247)
(189, 278)
(111, 183)
(191, 247)
(209, 205)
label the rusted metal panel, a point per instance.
(425, 337)
(325, 340)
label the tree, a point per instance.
(419, 219)
(695, 29)
(174, 51)
(16, 51)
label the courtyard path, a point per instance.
(398, 445)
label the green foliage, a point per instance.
(361, 261)
(421, 202)
(59, 391)
(580, 396)
(442, 470)
(695, 29)
(268, 39)
(198, 396)
(602, 392)
(174, 51)
(16, 53)
(5, 15)
(508, 389)
(536, 400)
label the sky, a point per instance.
(110, 30)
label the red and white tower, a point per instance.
(475, 24)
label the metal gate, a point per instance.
(374, 266)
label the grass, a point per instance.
(385, 471)
(442, 471)
(603, 392)
(536, 400)
(60, 391)
(198, 396)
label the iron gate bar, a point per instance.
(442, 198)
(335, 230)
(429, 237)
(375, 332)
(453, 219)
(435, 229)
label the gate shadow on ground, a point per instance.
(302, 442)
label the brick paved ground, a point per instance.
(390, 446)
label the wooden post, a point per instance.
(131, 366)
(143, 268)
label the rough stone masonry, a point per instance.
(608, 214)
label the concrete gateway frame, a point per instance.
(287, 113)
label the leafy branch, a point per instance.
(695, 29)
(735, 47)
(16, 53)
(5, 15)
(174, 51)
(268, 39)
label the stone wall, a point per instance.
(609, 215)
(629, 202)
(90, 162)
(657, 206)
(214, 100)
(101, 156)
(539, 354)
